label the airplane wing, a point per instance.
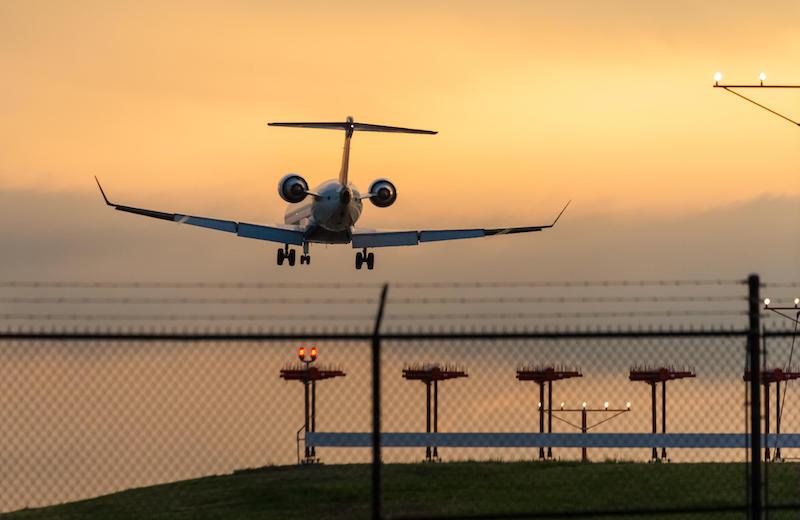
(363, 238)
(283, 235)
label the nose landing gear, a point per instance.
(365, 258)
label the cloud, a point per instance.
(74, 236)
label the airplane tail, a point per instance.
(349, 126)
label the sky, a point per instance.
(608, 104)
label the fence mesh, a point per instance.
(88, 417)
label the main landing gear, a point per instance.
(286, 254)
(365, 258)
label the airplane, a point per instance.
(328, 213)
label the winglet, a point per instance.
(562, 212)
(103, 193)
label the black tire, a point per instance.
(370, 261)
(359, 260)
(308, 259)
(291, 256)
(280, 256)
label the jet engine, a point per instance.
(293, 188)
(383, 193)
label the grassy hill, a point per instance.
(342, 491)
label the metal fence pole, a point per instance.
(663, 416)
(435, 415)
(549, 415)
(654, 418)
(307, 413)
(313, 413)
(427, 417)
(541, 416)
(753, 346)
(376, 409)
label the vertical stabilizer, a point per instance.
(348, 134)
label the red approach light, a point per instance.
(313, 353)
(301, 353)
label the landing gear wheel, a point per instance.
(291, 256)
(370, 261)
(359, 260)
(281, 256)
(305, 259)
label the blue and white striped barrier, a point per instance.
(555, 440)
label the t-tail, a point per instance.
(349, 126)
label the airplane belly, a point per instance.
(336, 217)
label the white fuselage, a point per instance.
(330, 209)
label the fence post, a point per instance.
(753, 346)
(376, 409)
(307, 413)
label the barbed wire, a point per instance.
(186, 285)
(568, 283)
(123, 300)
(363, 301)
(369, 317)
(564, 299)
(787, 285)
(360, 285)
(346, 332)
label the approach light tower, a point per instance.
(542, 374)
(776, 375)
(768, 377)
(652, 376)
(431, 374)
(309, 375)
(585, 410)
(762, 77)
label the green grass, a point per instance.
(342, 491)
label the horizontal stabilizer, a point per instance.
(351, 126)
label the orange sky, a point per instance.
(609, 104)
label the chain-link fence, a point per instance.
(592, 414)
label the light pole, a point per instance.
(308, 375)
(301, 353)
(541, 374)
(779, 403)
(431, 375)
(653, 375)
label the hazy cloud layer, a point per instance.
(69, 236)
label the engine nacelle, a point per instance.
(293, 188)
(383, 193)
